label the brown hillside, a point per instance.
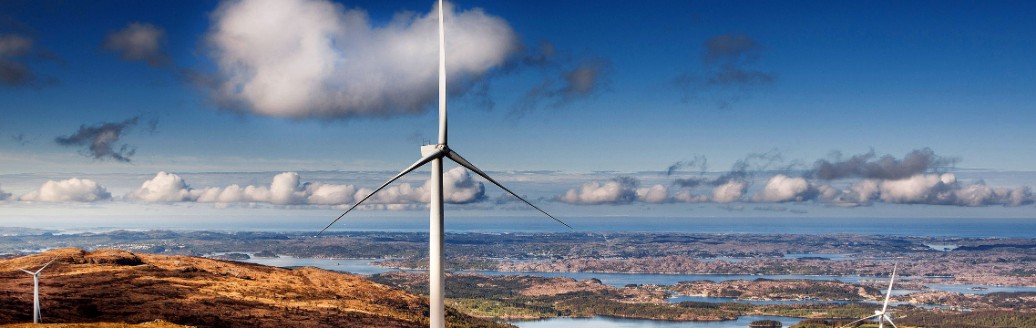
(151, 324)
(119, 286)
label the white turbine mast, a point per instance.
(435, 153)
(882, 315)
(35, 290)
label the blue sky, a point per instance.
(574, 87)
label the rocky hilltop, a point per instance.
(120, 286)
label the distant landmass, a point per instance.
(124, 287)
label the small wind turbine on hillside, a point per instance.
(435, 153)
(883, 314)
(35, 290)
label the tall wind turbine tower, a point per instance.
(435, 153)
(35, 290)
(883, 314)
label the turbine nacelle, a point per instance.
(428, 150)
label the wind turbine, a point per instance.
(435, 153)
(883, 314)
(35, 290)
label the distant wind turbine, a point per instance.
(35, 290)
(882, 315)
(435, 154)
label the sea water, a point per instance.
(608, 322)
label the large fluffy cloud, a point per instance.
(70, 190)
(317, 59)
(287, 188)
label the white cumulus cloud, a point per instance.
(329, 194)
(729, 192)
(919, 189)
(782, 188)
(70, 190)
(686, 196)
(459, 187)
(617, 191)
(318, 59)
(621, 190)
(655, 194)
(865, 190)
(164, 187)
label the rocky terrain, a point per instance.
(788, 289)
(203, 293)
(151, 324)
(120, 286)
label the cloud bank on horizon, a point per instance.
(459, 187)
(915, 179)
(919, 177)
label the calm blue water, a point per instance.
(833, 257)
(356, 266)
(967, 289)
(706, 299)
(606, 322)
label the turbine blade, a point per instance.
(890, 322)
(23, 270)
(419, 163)
(889, 292)
(851, 323)
(442, 78)
(463, 162)
(45, 266)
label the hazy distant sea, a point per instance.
(933, 227)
